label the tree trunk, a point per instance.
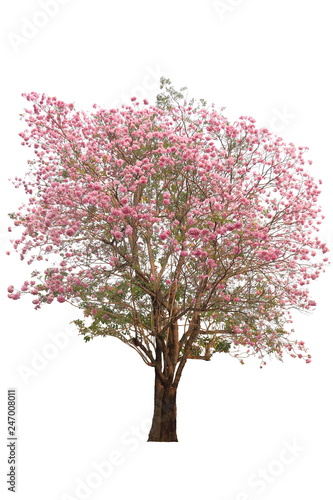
(164, 422)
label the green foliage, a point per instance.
(171, 97)
(222, 346)
(196, 350)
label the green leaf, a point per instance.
(222, 346)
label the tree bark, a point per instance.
(163, 428)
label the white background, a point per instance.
(78, 404)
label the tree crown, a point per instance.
(162, 213)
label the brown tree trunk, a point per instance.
(164, 422)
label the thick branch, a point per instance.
(193, 332)
(204, 357)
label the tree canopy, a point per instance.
(157, 215)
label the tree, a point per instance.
(174, 230)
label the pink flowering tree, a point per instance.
(179, 233)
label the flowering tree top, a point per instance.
(155, 214)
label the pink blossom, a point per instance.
(126, 210)
(194, 231)
(211, 263)
(118, 235)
